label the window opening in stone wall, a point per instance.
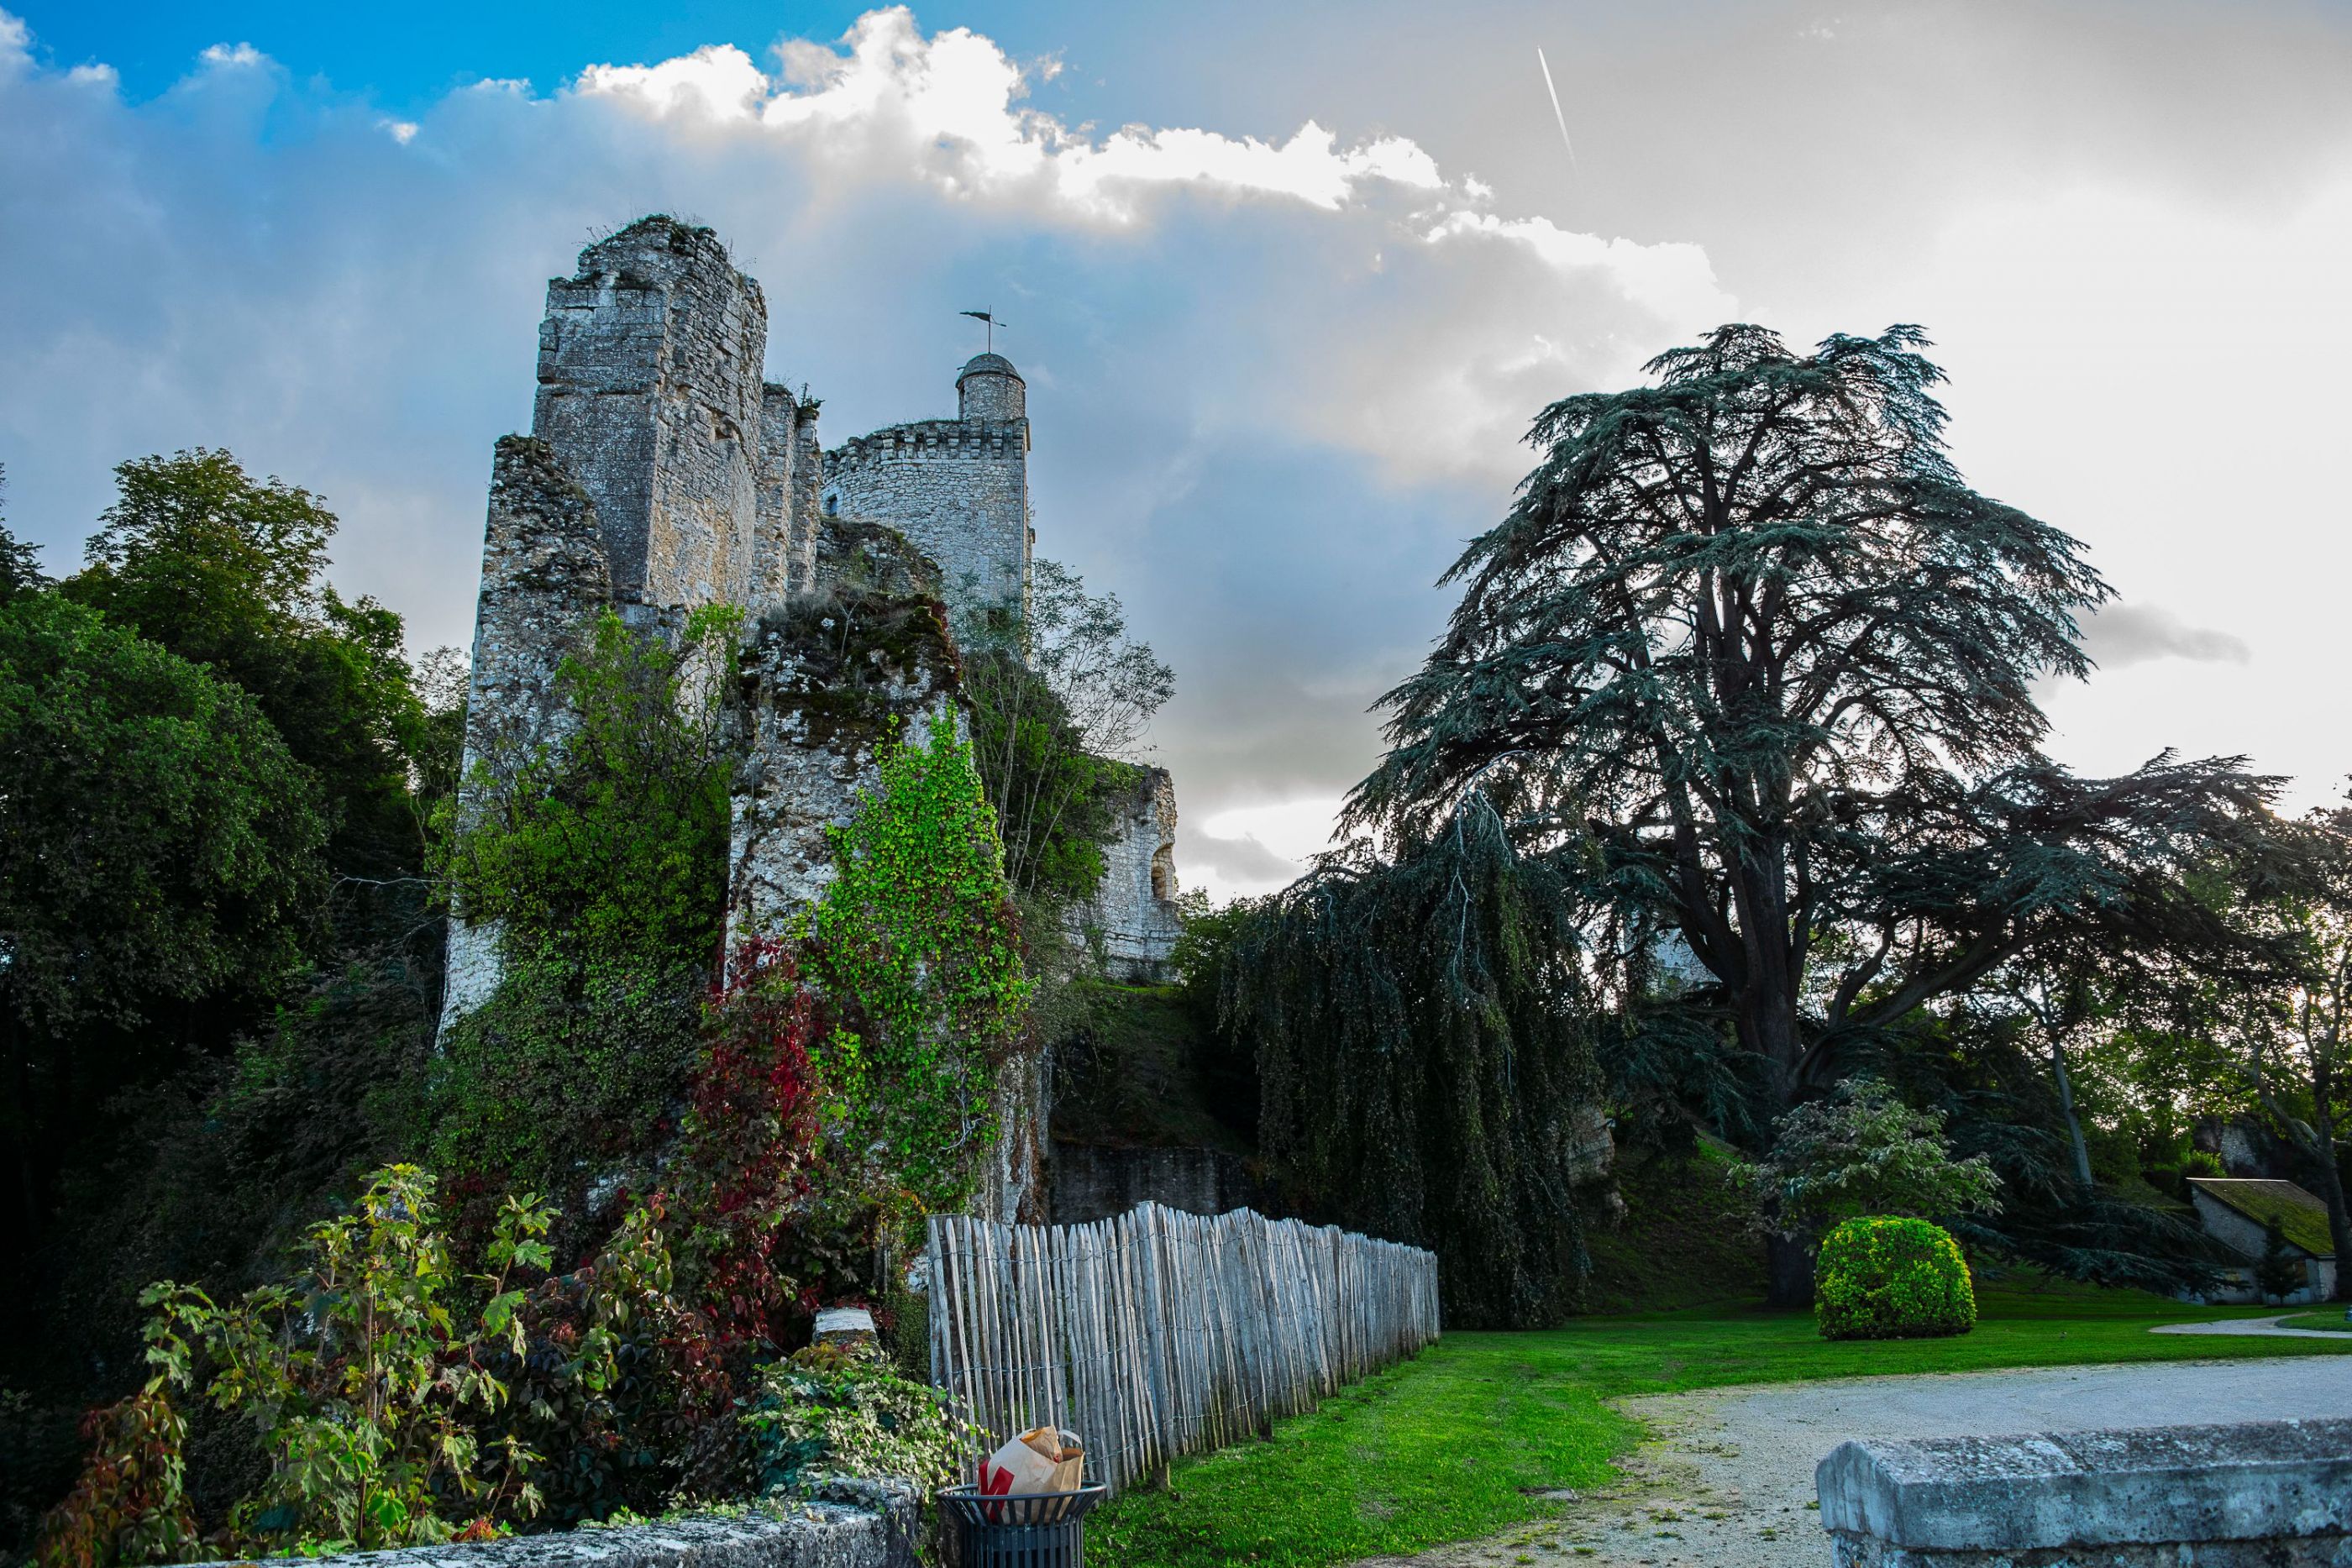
(1164, 873)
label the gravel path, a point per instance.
(2274, 1327)
(1727, 1476)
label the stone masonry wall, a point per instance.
(856, 1525)
(544, 576)
(772, 554)
(808, 486)
(824, 676)
(649, 392)
(1134, 911)
(958, 489)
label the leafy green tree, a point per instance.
(20, 563)
(1863, 1151)
(916, 950)
(229, 572)
(1060, 701)
(1748, 635)
(1053, 800)
(2290, 1028)
(2277, 1271)
(159, 847)
(1110, 684)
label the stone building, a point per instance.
(663, 474)
(2237, 1212)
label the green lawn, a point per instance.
(1449, 1445)
(2331, 1319)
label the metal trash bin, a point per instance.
(1037, 1530)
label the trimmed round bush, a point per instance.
(1885, 1278)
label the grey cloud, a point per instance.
(1244, 861)
(2121, 635)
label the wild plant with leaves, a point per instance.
(1862, 1151)
(363, 1379)
(403, 1400)
(843, 1410)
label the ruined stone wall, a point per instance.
(545, 575)
(824, 676)
(958, 488)
(1133, 914)
(808, 487)
(827, 676)
(650, 393)
(772, 542)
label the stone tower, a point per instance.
(663, 473)
(650, 394)
(959, 488)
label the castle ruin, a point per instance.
(664, 473)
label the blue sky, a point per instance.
(1287, 282)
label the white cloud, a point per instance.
(718, 80)
(948, 107)
(351, 300)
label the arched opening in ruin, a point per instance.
(1164, 873)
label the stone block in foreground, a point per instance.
(2276, 1494)
(871, 1525)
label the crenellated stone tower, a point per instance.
(959, 488)
(664, 473)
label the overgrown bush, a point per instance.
(741, 1177)
(834, 1409)
(1862, 1151)
(604, 862)
(571, 1064)
(613, 842)
(917, 952)
(1888, 1277)
(399, 1399)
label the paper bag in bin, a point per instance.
(1042, 1459)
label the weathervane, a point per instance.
(988, 317)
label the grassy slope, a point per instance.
(1679, 1242)
(1448, 1446)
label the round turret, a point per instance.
(989, 388)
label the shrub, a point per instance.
(834, 1410)
(1862, 1151)
(1890, 1277)
(741, 1175)
(401, 1400)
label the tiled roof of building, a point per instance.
(2302, 1215)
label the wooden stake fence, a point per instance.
(1158, 1332)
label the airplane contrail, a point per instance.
(1556, 113)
